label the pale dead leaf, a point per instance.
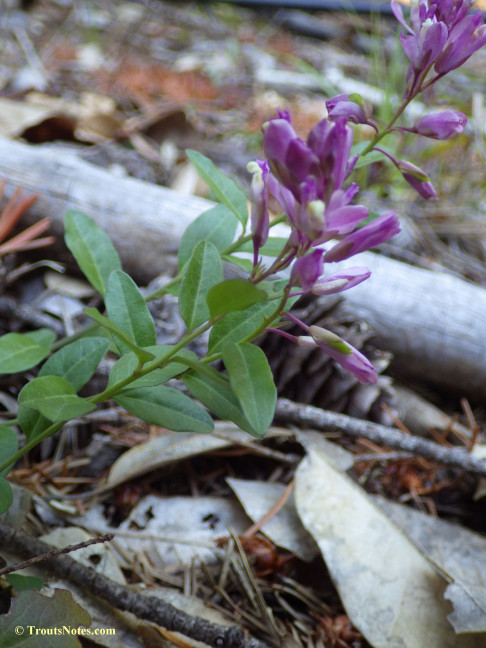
(284, 528)
(459, 552)
(390, 592)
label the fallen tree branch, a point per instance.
(307, 415)
(144, 607)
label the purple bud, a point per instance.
(260, 219)
(348, 106)
(340, 281)
(417, 179)
(344, 354)
(307, 270)
(442, 125)
(379, 230)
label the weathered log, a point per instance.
(433, 322)
(144, 221)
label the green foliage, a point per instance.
(233, 295)
(21, 582)
(217, 226)
(142, 355)
(8, 447)
(204, 270)
(128, 310)
(225, 189)
(30, 608)
(21, 351)
(92, 249)
(76, 362)
(217, 396)
(128, 364)
(252, 382)
(54, 398)
(166, 407)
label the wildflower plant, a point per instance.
(310, 181)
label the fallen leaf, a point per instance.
(284, 528)
(390, 592)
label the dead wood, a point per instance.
(144, 607)
(432, 322)
(144, 221)
(306, 415)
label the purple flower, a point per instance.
(442, 34)
(379, 230)
(343, 353)
(441, 126)
(260, 219)
(348, 106)
(307, 270)
(466, 37)
(417, 179)
(340, 281)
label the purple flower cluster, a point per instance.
(442, 35)
(307, 178)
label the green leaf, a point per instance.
(216, 225)
(252, 381)
(237, 326)
(127, 364)
(244, 264)
(92, 249)
(166, 407)
(54, 398)
(144, 356)
(19, 351)
(369, 158)
(22, 582)
(223, 187)
(43, 336)
(9, 445)
(217, 397)
(32, 422)
(204, 270)
(34, 610)
(128, 310)
(6, 496)
(77, 361)
(233, 295)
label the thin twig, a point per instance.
(306, 415)
(56, 552)
(149, 608)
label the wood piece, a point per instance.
(144, 221)
(431, 321)
(434, 323)
(308, 416)
(144, 607)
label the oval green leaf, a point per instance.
(204, 270)
(19, 351)
(252, 381)
(127, 364)
(77, 361)
(217, 397)
(128, 310)
(233, 295)
(92, 249)
(166, 407)
(216, 225)
(9, 444)
(224, 188)
(144, 356)
(54, 398)
(32, 423)
(6, 495)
